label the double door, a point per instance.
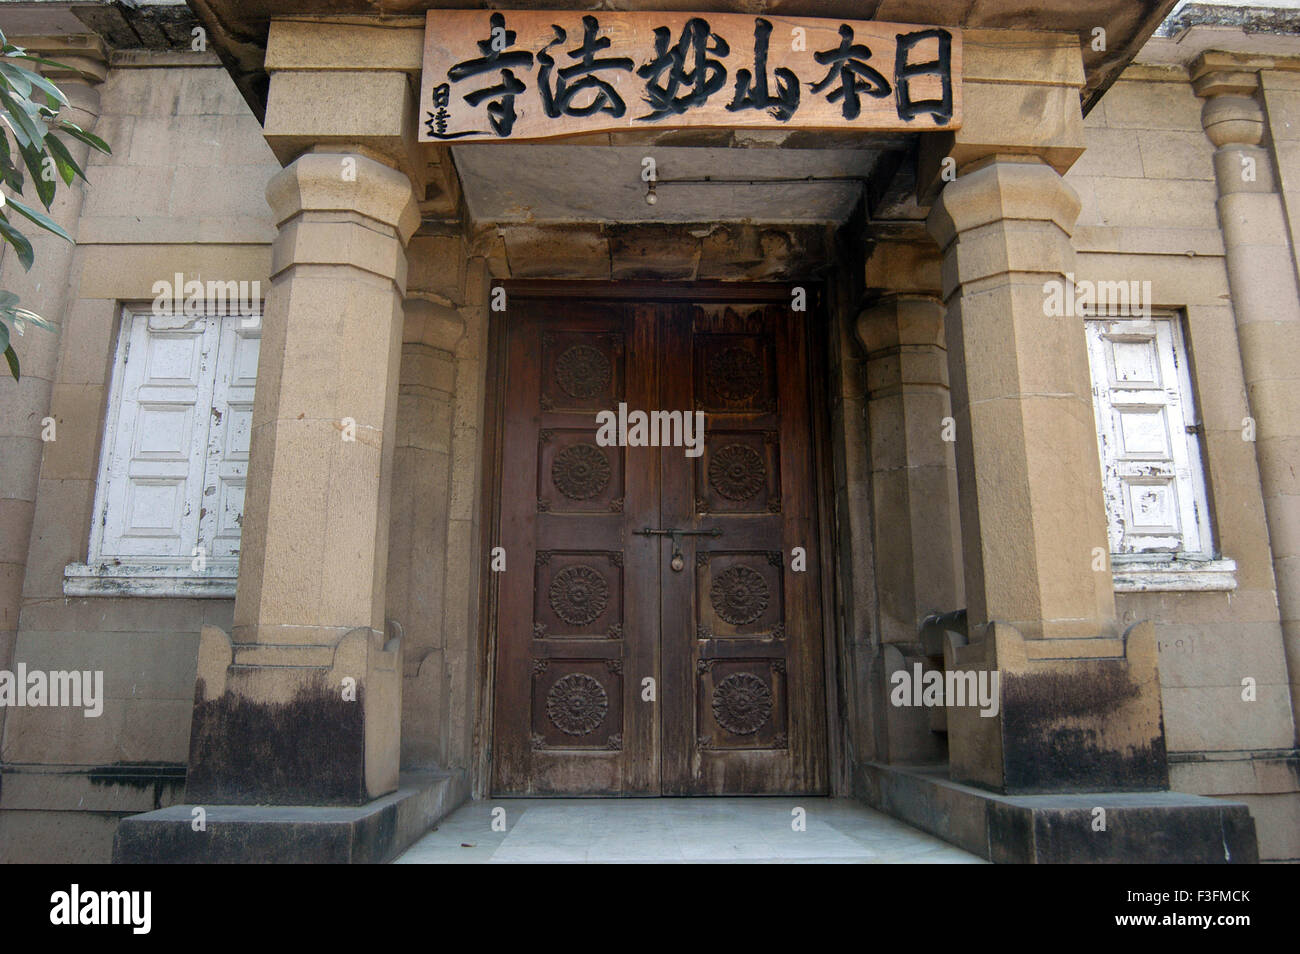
(658, 623)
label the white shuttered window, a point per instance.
(170, 494)
(1153, 476)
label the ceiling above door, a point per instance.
(509, 183)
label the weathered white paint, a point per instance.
(1152, 474)
(230, 427)
(80, 579)
(174, 459)
(1184, 575)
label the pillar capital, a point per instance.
(1006, 217)
(432, 324)
(1221, 73)
(1231, 119)
(1021, 96)
(344, 182)
(899, 321)
(999, 188)
(83, 66)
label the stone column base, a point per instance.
(295, 724)
(374, 833)
(1150, 827)
(1074, 715)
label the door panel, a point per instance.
(733, 638)
(573, 627)
(741, 631)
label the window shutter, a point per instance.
(230, 426)
(1152, 477)
(156, 441)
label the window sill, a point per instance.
(152, 580)
(1174, 575)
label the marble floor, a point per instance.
(677, 830)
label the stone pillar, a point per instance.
(916, 535)
(302, 704)
(913, 472)
(417, 551)
(1079, 704)
(1266, 303)
(44, 290)
(1032, 512)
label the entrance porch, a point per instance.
(677, 831)
(371, 560)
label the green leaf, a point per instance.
(68, 167)
(24, 127)
(4, 336)
(12, 357)
(35, 160)
(22, 247)
(18, 78)
(31, 318)
(45, 86)
(44, 221)
(38, 115)
(24, 81)
(90, 139)
(10, 174)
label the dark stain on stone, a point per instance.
(160, 776)
(1292, 762)
(308, 751)
(1060, 731)
(1151, 834)
(1074, 695)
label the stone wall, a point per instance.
(1148, 191)
(183, 191)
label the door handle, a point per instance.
(678, 563)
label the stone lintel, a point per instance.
(1215, 72)
(342, 111)
(394, 43)
(1020, 97)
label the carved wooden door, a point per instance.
(620, 670)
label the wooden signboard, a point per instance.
(522, 75)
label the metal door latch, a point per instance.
(678, 562)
